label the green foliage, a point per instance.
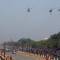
(52, 42)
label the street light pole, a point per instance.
(4, 50)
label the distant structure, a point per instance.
(7, 39)
(46, 38)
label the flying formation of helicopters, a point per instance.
(50, 11)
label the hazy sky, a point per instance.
(16, 22)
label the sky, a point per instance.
(17, 23)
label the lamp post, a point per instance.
(4, 49)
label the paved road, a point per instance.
(21, 57)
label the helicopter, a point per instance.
(51, 10)
(58, 9)
(29, 9)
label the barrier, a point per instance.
(38, 57)
(57, 59)
(7, 57)
(2, 58)
(54, 58)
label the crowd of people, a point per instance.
(54, 52)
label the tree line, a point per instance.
(27, 43)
